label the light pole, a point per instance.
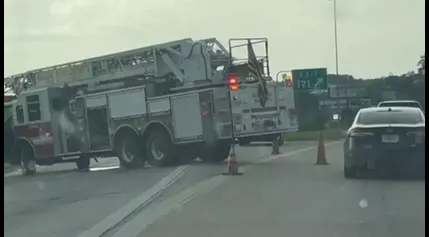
(336, 59)
(335, 36)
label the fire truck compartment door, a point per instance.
(187, 121)
(95, 101)
(127, 103)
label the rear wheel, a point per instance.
(27, 160)
(350, 172)
(159, 149)
(129, 153)
(185, 154)
(83, 163)
(217, 153)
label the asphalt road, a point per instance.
(59, 201)
(285, 195)
(288, 196)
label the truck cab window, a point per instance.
(33, 108)
(19, 114)
(58, 104)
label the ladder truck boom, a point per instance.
(186, 60)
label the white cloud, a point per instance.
(63, 8)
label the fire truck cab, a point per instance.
(44, 130)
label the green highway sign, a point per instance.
(310, 79)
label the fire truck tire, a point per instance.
(83, 163)
(159, 149)
(185, 154)
(215, 154)
(27, 160)
(129, 154)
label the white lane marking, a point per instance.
(105, 168)
(145, 198)
(363, 203)
(12, 173)
(153, 212)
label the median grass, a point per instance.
(328, 134)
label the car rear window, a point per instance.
(399, 104)
(389, 117)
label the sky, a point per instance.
(375, 37)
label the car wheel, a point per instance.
(350, 172)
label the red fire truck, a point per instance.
(160, 104)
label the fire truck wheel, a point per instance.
(185, 154)
(27, 160)
(83, 163)
(217, 153)
(159, 148)
(128, 151)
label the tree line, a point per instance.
(408, 86)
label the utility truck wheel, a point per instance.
(129, 152)
(159, 149)
(213, 154)
(83, 163)
(27, 160)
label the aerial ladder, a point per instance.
(182, 63)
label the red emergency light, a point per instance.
(233, 82)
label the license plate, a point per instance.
(390, 138)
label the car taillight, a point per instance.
(233, 82)
(359, 133)
(418, 134)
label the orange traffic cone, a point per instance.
(321, 155)
(232, 166)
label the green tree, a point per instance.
(421, 65)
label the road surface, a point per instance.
(290, 196)
(285, 195)
(59, 201)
